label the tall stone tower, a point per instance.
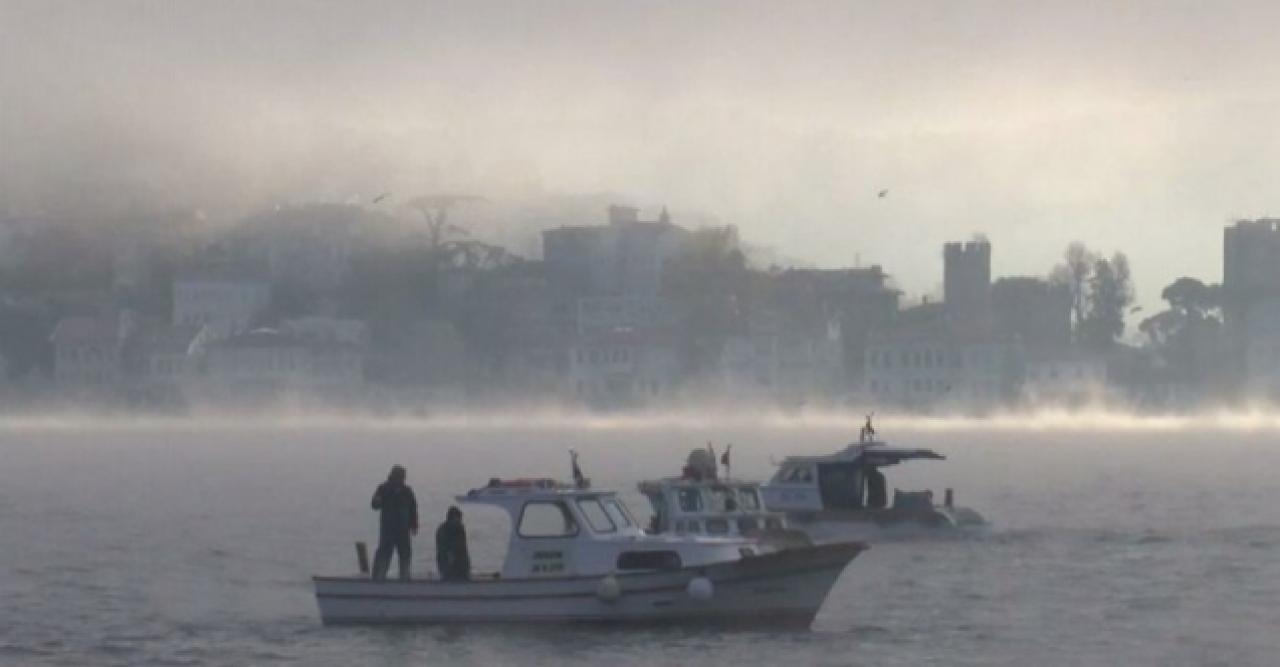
(967, 284)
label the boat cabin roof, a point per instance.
(688, 482)
(512, 494)
(874, 453)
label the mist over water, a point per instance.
(163, 509)
(842, 424)
(190, 541)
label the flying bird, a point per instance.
(381, 197)
(882, 193)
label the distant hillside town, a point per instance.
(340, 305)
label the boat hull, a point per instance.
(784, 587)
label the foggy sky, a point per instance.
(1142, 128)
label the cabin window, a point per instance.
(722, 500)
(717, 527)
(773, 523)
(596, 516)
(693, 527)
(690, 500)
(840, 486)
(798, 474)
(649, 560)
(748, 499)
(617, 513)
(547, 519)
(746, 525)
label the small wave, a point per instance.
(867, 631)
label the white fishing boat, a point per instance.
(577, 554)
(844, 495)
(701, 502)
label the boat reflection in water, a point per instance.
(577, 554)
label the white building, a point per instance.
(1065, 378)
(771, 361)
(328, 329)
(266, 361)
(223, 300)
(919, 372)
(601, 314)
(1261, 342)
(622, 368)
(87, 351)
(624, 257)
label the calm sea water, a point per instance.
(192, 543)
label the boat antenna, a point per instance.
(724, 461)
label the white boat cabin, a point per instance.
(714, 507)
(846, 480)
(558, 530)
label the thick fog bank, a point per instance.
(844, 423)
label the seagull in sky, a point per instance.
(882, 193)
(381, 197)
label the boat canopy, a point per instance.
(869, 453)
(513, 494)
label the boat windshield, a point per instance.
(618, 512)
(748, 499)
(596, 516)
(690, 500)
(798, 474)
(722, 499)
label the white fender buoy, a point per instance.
(609, 590)
(700, 588)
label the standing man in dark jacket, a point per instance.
(399, 519)
(452, 558)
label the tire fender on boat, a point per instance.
(609, 590)
(700, 588)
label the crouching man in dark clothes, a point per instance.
(452, 558)
(399, 519)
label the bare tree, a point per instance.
(1075, 272)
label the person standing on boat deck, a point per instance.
(452, 558)
(398, 521)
